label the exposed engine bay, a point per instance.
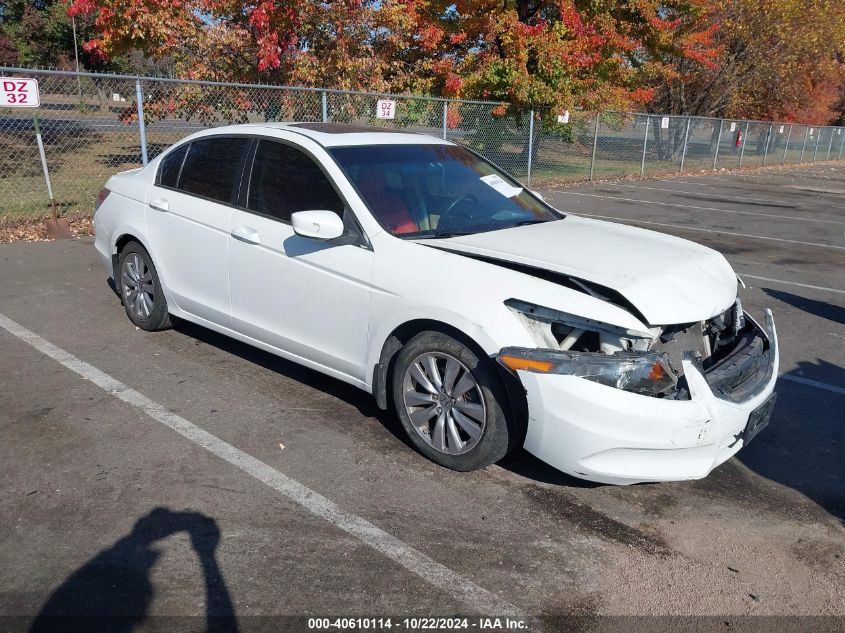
(729, 348)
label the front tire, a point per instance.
(140, 289)
(451, 402)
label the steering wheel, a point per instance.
(445, 216)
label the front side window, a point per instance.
(168, 171)
(212, 168)
(437, 190)
(285, 180)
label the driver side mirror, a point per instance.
(318, 225)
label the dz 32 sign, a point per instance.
(19, 93)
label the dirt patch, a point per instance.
(29, 229)
(745, 566)
(595, 522)
(736, 485)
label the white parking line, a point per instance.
(718, 231)
(414, 561)
(695, 208)
(792, 283)
(699, 193)
(813, 383)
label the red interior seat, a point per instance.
(387, 205)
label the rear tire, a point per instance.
(452, 402)
(140, 289)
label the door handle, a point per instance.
(159, 205)
(246, 234)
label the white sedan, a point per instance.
(416, 270)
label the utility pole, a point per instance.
(76, 56)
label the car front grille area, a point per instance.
(731, 351)
(677, 341)
(736, 365)
(744, 370)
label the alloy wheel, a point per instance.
(444, 403)
(138, 286)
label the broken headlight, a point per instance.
(646, 373)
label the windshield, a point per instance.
(417, 191)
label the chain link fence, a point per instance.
(95, 125)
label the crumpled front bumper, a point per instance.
(613, 436)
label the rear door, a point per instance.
(304, 296)
(188, 213)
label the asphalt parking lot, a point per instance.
(198, 477)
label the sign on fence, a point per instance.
(19, 93)
(664, 123)
(563, 118)
(385, 109)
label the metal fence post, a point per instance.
(684, 151)
(139, 94)
(742, 147)
(818, 140)
(645, 144)
(530, 143)
(718, 140)
(841, 144)
(804, 144)
(786, 145)
(43, 156)
(325, 102)
(768, 142)
(830, 145)
(595, 143)
(445, 117)
(76, 57)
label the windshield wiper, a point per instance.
(459, 233)
(454, 234)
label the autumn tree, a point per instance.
(779, 59)
(566, 53)
(40, 33)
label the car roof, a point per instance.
(335, 134)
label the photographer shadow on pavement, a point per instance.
(112, 592)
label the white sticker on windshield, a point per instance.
(508, 191)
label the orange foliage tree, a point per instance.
(564, 53)
(778, 59)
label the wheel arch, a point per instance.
(126, 234)
(405, 331)
(397, 339)
(123, 237)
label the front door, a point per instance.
(307, 297)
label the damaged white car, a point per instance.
(414, 269)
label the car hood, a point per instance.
(668, 279)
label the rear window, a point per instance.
(168, 171)
(212, 168)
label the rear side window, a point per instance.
(168, 171)
(285, 180)
(212, 168)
